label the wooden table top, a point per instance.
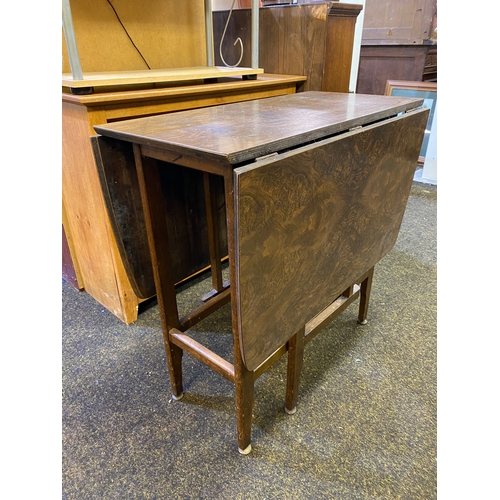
(246, 130)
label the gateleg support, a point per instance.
(244, 385)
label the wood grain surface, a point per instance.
(185, 214)
(291, 39)
(244, 131)
(314, 39)
(313, 220)
(137, 77)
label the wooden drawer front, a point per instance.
(313, 220)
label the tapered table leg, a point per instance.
(154, 216)
(294, 368)
(244, 385)
(364, 297)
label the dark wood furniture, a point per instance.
(315, 186)
(379, 63)
(311, 39)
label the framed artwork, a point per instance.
(424, 90)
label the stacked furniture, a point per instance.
(123, 49)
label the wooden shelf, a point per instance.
(114, 78)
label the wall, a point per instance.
(128, 35)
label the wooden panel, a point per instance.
(312, 221)
(291, 40)
(118, 176)
(397, 21)
(339, 47)
(377, 64)
(140, 77)
(128, 35)
(187, 96)
(185, 214)
(103, 274)
(68, 269)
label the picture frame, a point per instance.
(424, 90)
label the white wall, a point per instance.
(429, 172)
(223, 4)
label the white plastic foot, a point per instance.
(292, 411)
(363, 322)
(246, 451)
(177, 398)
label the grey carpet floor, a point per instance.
(365, 427)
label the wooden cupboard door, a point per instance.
(311, 221)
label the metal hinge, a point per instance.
(266, 156)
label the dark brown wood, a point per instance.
(148, 177)
(269, 361)
(312, 220)
(339, 47)
(201, 353)
(213, 233)
(118, 176)
(185, 213)
(315, 40)
(379, 63)
(243, 377)
(235, 133)
(98, 264)
(294, 368)
(325, 317)
(314, 190)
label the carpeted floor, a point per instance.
(365, 427)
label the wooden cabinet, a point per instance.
(396, 39)
(311, 39)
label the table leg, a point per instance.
(244, 385)
(156, 227)
(213, 234)
(364, 296)
(243, 378)
(294, 368)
